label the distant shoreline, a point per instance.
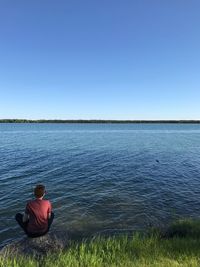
(96, 121)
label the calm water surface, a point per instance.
(101, 178)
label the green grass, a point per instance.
(117, 251)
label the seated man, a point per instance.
(38, 215)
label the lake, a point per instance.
(101, 178)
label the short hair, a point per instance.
(39, 190)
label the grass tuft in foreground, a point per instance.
(180, 248)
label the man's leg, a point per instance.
(19, 219)
(50, 220)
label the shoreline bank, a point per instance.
(179, 245)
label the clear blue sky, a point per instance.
(108, 59)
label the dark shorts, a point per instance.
(19, 219)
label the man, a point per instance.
(38, 215)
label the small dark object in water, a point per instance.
(157, 160)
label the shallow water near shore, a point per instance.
(100, 177)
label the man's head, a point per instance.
(39, 191)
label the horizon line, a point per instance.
(97, 121)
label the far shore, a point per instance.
(97, 121)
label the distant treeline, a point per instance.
(96, 121)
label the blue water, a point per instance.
(100, 177)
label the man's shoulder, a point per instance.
(34, 202)
(46, 202)
(29, 202)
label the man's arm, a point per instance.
(49, 210)
(25, 217)
(26, 214)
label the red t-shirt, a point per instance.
(38, 211)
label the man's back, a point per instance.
(38, 211)
(38, 215)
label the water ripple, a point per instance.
(100, 180)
